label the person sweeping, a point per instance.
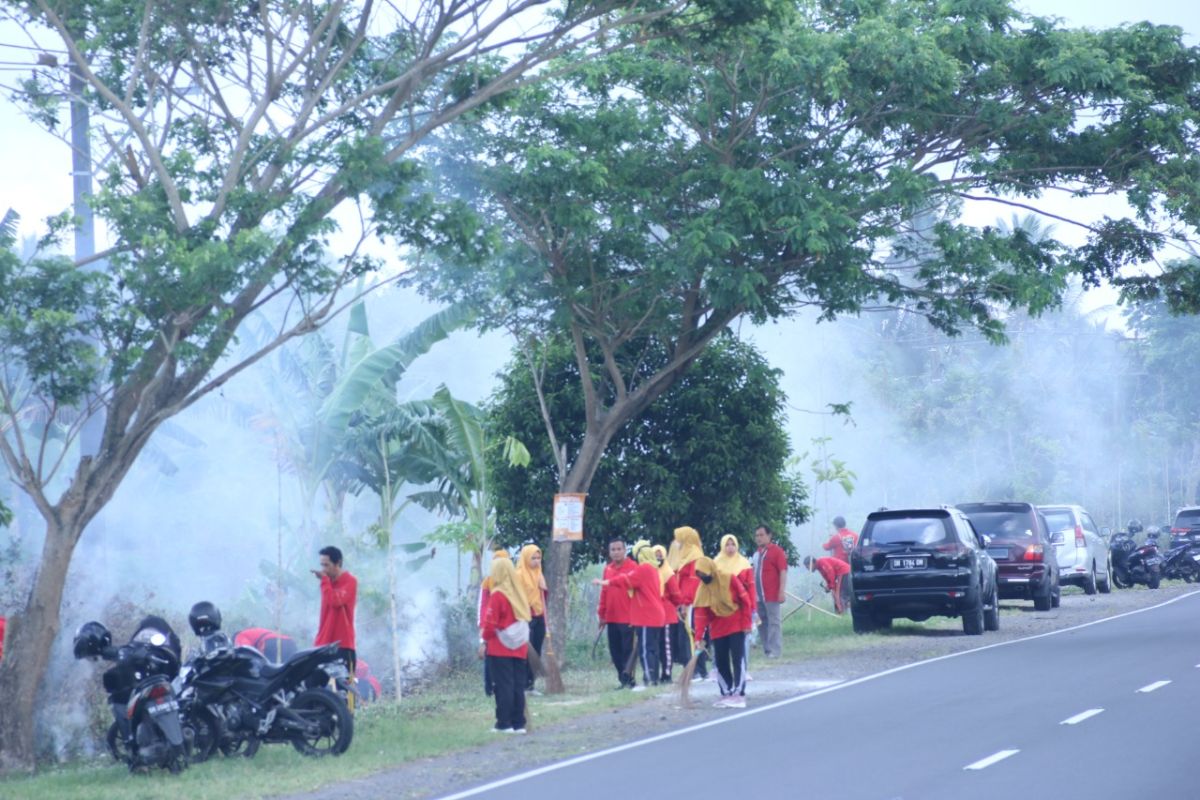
(722, 609)
(506, 642)
(645, 610)
(685, 550)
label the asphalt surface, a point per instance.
(1105, 710)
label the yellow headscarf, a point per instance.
(716, 594)
(501, 553)
(504, 581)
(686, 548)
(529, 578)
(733, 564)
(645, 555)
(664, 569)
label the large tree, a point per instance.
(657, 196)
(231, 139)
(711, 452)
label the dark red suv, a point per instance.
(1018, 539)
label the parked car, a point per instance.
(1082, 553)
(919, 563)
(1187, 522)
(1018, 539)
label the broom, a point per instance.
(553, 678)
(685, 680)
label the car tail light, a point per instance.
(1033, 553)
(1079, 540)
(1180, 531)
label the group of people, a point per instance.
(659, 607)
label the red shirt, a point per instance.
(688, 583)
(771, 563)
(615, 602)
(337, 611)
(500, 615)
(837, 544)
(831, 570)
(720, 627)
(746, 576)
(1, 637)
(671, 600)
(646, 610)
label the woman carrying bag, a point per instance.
(506, 644)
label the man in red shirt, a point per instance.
(842, 541)
(770, 578)
(339, 593)
(614, 611)
(834, 571)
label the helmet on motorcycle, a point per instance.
(205, 618)
(91, 639)
(1135, 526)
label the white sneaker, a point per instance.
(722, 703)
(638, 688)
(522, 730)
(736, 701)
(748, 677)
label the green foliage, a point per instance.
(709, 453)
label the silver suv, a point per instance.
(1083, 557)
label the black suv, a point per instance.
(1018, 538)
(919, 563)
(1187, 522)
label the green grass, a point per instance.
(455, 715)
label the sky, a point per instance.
(817, 372)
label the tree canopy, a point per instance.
(710, 453)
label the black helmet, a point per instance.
(91, 639)
(1135, 526)
(205, 618)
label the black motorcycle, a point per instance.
(147, 730)
(1134, 563)
(259, 702)
(1182, 559)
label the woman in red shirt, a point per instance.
(673, 629)
(731, 560)
(506, 644)
(685, 549)
(533, 586)
(720, 603)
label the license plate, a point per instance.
(907, 563)
(1196, 557)
(1150, 562)
(163, 708)
(998, 552)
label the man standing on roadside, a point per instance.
(614, 611)
(770, 578)
(842, 541)
(339, 593)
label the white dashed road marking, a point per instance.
(1078, 718)
(1153, 686)
(984, 763)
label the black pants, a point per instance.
(620, 647)
(649, 644)
(537, 635)
(681, 645)
(730, 654)
(508, 683)
(666, 654)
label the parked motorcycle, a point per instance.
(1182, 559)
(259, 702)
(147, 730)
(1133, 563)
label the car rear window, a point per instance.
(1003, 526)
(1058, 519)
(1189, 518)
(905, 530)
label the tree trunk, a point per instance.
(31, 634)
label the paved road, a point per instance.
(1108, 710)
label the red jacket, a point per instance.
(688, 583)
(499, 616)
(746, 576)
(720, 627)
(337, 611)
(771, 564)
(646, 610)
(672, 599)
(831, 570)
(1, 637)
(837, 544)
(272, 644)
(615, 602)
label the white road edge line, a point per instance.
(1153, 686)
(984, 763)
(570, 762)
(1078, 718)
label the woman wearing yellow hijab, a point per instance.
(533, 587)
(485, 591)
(506, 642)
(720, 603)
(731, 560)
(685, 550)
(675, 637)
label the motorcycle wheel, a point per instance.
(1153, 581)
(1120, 581)
(116, 744)
(206, 734)
(245, 746)
(334, 724)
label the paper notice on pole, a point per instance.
(568, 517)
